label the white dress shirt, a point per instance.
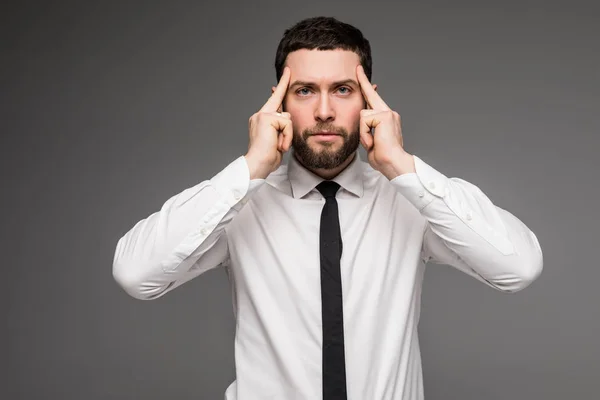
(265, 233)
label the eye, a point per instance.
(299, 91)
(346, 91)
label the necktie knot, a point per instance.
(328, 188)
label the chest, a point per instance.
(275, 238)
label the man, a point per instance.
(326, 255)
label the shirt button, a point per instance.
(204, 231)
(432, 185)
(469, 215)
(237, 194)
(421, 193)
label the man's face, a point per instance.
(324, 96)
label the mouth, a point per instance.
(325, 136)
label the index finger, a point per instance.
(373, 99)
(278, 95)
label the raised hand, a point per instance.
(270, 133)
(381, 133)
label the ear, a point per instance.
(375, 87)
(273, 89)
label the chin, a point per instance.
(324, 155)
(323, 158)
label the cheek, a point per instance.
(300, 116)
(353, 105)
(351, 114)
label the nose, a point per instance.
(324, 111)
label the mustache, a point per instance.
(325, 128)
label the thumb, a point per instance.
(366, 137)
(288, 134)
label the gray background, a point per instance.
(108, 110)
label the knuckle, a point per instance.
(261, 117)
(252, 120)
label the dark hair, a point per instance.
(323, 33)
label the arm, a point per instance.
(464, 228)
(467, 231)
(186, 237)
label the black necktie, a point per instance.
(334, 365)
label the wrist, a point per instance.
(255, 168)
(400, 165)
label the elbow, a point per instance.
(530, 262)
(127, 277)
(536, 269)
(529, 271)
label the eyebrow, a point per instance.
(337, 83)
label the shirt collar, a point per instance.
(302, 180)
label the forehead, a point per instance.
(322, 66)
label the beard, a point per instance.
(327, 157)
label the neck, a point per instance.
(328, 173)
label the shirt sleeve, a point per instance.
(186, 237)
(467, 231)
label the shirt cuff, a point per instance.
(423, 186)
(234, 185)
